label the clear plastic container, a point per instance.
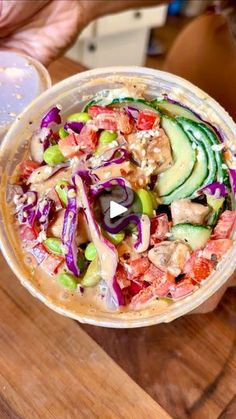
(22, 79)
(70, 94)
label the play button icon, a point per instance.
(116, 209)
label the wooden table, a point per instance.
(51, 368)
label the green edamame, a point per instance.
(143, 202)
(53, 244)
(90, 251)
(62, 133)
(67, 280)
(107, 137)
(92, 275)
(115, 238)
(79, 117)
(81, 262)
(62, 190)
(52, 155)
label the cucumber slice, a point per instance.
(174, 109)
(198, 136)
(183, 155)
(194, 181)
(222, 174)
(194, 235)
(137, 103)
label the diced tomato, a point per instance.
(121, 277)
(136, 287)
(27, 233)
(152, 274)
(96, 110)
(159, 228)
(52, 263)
(39, 252)
(160, 287)
(88, 139)
(217, 249)
(225, 225)
(198, 267)
(147, 119)
(69, 146)
(139, 266)
(182, 289)
(107, 122)
(27, 167)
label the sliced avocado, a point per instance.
(198, 136)
(194, 235)
(174, 109)
(194, 181)
(222, 174)
(183, 155)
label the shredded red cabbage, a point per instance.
(217, 189)
(120, 181)
(106, 251)
(69, 231)
(44, 208)
(26, 207)
(74, 126)
(124, 155)
(53, 115)
(131, 111)
(232, 174)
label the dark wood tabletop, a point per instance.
(51, 368)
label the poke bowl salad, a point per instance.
(177, 181)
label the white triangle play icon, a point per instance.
(116, 209)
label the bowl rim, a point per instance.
(105, 320)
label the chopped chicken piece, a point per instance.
(185, 211)
(169, 256)
(151, 150)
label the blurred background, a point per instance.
(136, 37)
(195, 39)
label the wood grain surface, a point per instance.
(188, 366)
(51, 369)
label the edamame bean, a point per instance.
(115, 238)
(90, 251)
(107, 137)
(81, 263)
(67, 280)
(79, 117)
(62, 133)
(92, 275)
(52, 155)
(61, 189)
(143, 202)
(53, 244)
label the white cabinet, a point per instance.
(119, 39)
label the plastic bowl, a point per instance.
(70, 93)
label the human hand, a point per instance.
(44, 29)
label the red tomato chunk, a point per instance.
(217, 248)
(147, 119)
(27, 167)
(159, 228)
(139, 266)
(225, 225)
(198, 267)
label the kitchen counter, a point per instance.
(53, 367)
